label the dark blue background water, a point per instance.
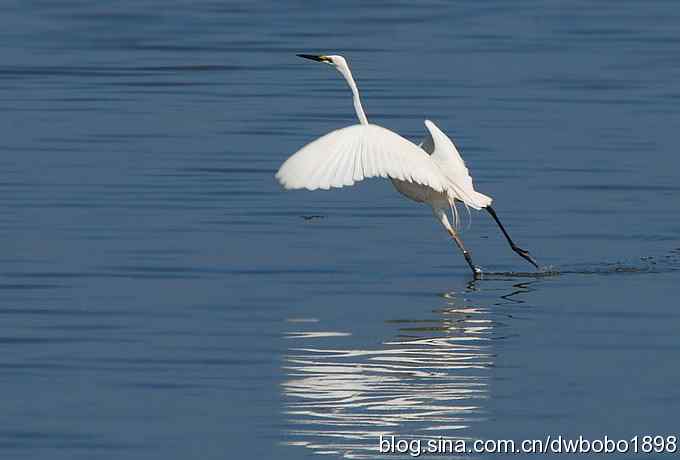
(161, 297)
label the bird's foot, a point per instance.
(525, 255)
(476, 271)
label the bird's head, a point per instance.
(335, 60)
(340, 64)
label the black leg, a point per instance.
(524, 254)
(476, 271)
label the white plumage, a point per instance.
(445, 155)
(432, 173)
(348, 155)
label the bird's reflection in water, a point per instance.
(429, 380)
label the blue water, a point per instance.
(161, 297)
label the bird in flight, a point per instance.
(432, 172)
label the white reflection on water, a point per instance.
(431, 379)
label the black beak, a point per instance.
(313, 57)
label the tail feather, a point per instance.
(480, 200)
(472, 199)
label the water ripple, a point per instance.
(431, 376)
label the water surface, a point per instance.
(161, 297)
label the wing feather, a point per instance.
(332, 168)
(324, 175)
(351, 154)
(358, 164)
(446, 156)
(345, 167)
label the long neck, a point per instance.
(355, 94)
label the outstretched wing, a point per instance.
(348, 155)
(445, 155)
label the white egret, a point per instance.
(432, 172)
